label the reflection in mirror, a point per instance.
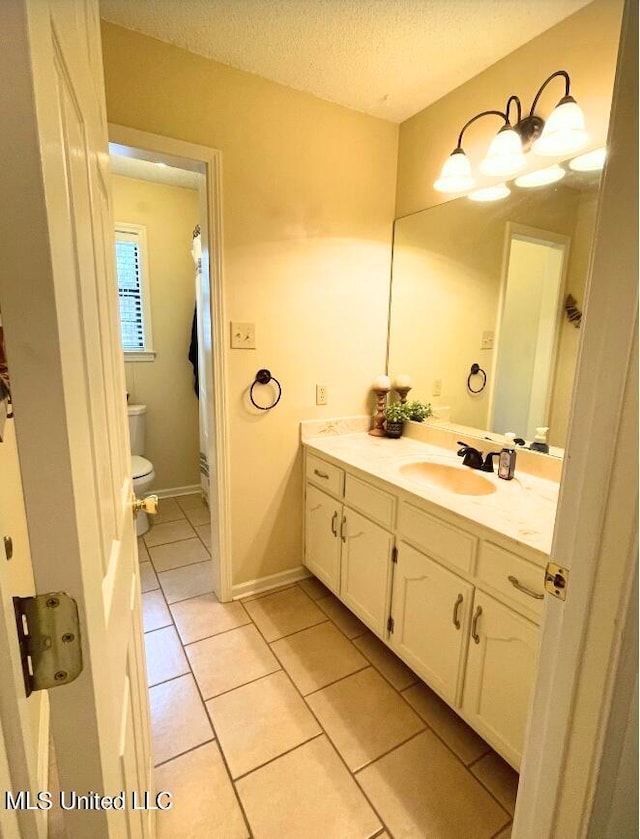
(487, 283)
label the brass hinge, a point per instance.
(390, 624)
(49, 640)
(394, 555)
(556, 580)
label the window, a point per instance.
(133, 292)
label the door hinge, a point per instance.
(390, 624)
(394, 555)
(556, 580)
(49, 640)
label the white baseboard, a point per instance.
(169, 493)
(282, 578)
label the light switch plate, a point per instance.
(437, 387)
(487, 340)
(243, 336)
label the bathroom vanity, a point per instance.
(444, 564)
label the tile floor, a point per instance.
(283, 717)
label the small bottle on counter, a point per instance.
(507, 464)
(540, 440)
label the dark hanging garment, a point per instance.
(193, 352)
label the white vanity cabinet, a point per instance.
(458, 603)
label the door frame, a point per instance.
(583, 674)
(219, 422)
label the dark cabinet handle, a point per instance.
(474, 625)
(343, 529)
(334, 520)
(321, 474)
(517, 584)
(456, 607)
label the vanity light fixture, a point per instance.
(563, 133)
(490, 193)
(589, 162)
(542, 177)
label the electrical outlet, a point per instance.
(243, 336)
(321, 394)
(487, 340)
(437, 387)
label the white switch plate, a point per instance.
(487, 340)
(321, 394)
(437, 387)
(243, 336)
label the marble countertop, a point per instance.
(522, 509)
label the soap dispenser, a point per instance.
(540, 440)
(507, 463)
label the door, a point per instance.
(366, 569)
(501, 669)
(430, 611)
(322, 546)
(59, 307)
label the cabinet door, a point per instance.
(431, 608)
(322, 544)
(501, 668)
(366, 569)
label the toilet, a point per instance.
(141, 468)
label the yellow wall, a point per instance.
(308, 204)
(165, 385)
(585, 44)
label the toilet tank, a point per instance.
(137, 416)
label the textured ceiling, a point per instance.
(388, 58)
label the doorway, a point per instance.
(195, 172)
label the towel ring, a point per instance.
(475, 369)
(263, 377)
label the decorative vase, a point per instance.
(394, 429)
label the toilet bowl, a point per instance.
(141, 468)
(143, 478)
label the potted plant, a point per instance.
(418, 411)
(396, 416)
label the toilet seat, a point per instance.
(140, 466)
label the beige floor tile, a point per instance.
(143, 553)
(168, 510)
(314, 588)
(178, 554)
(193, 501)
(229, 660)
(421, 789)
(306, 794)
(204, 532)
(199, 516)
(318, 656)
(499, 778)
(179, 721)
(189, 581)
(172, 531)
(344, 619)
(394, 670)
(148, 579)
(203, 800)
(165, 656)
(460, 738)
(283, 613)
(155, 613)
(200, 617)
(260, 721)
(364, 717)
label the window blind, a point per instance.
(130, 294)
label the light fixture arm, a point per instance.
(515, 99)
(477, 116)
(567, 85)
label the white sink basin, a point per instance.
(459, 480)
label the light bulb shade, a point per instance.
(592, 161)
(564, 131)
(491, 193)
(456, 173)
(542, 177)
(505, 156)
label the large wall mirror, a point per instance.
(500, 285)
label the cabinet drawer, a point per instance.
(373, 502)
(439, 540)
(325, 475)
(496, 565)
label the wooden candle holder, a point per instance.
(378, 420)
(402, 393)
